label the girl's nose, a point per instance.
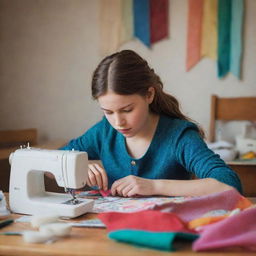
(119, 121)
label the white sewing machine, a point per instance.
(27, 193)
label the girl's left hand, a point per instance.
(132, 185)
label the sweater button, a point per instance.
(133, 162)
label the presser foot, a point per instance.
(74, 200)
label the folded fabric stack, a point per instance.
(216, 221)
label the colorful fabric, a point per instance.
(148, 220)
(194, 33)
(224, 26)
(176, 152)
(211, 217)
(127, 21)
(196, 207)
(226, 219)
(235, 231)
(159, 15)
(110, 24)
(209, 29)
(156, 240)
(236, 37)
(141, 13)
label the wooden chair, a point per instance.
(231, 109)
(10, 140)
(228, 109)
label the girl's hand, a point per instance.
(132, 185)
(97, 176)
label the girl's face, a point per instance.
(128, 114)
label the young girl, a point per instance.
(146, 145)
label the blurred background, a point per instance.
(49, 49)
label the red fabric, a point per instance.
(159, 10)
(105, 193)
(148, 220)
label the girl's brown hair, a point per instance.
(127, 73)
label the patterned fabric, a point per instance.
(235, 227)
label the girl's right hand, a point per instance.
(97, 176)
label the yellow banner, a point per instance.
(209, 29)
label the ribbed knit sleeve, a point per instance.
(194, 155)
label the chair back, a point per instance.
(231, 109)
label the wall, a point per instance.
(49, 49)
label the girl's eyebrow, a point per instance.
(119, 108)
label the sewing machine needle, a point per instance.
(72, 193)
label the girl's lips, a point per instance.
(124, 130)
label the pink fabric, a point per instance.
(144, 220)
(238, 230)
(198, 206)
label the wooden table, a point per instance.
(246, 170)
(91, 242)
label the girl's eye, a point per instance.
(127, 110)
(107, 112)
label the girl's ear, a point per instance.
(150, 94)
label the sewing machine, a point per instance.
(27, 193)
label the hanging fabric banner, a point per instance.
(127, 21)
(194, 33)
(110, 19)
(209, 29)
(159, 16)
(224, 27)
(236, 36)
(141, 13)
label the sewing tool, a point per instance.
(4, 223)
(27, 193)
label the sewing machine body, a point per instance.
(27, 193)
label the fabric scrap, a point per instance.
(198, 206)
(156, 240)
(147, 220)
(235, 231)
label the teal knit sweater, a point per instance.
(176, 152)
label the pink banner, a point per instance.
(194, 33)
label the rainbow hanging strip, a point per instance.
(110, 24)
(230, 37)
(151, 20)
(224, 25)
(116, 23)
(236, 50)
(215, 30)
(209, 30)
(194, 33)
